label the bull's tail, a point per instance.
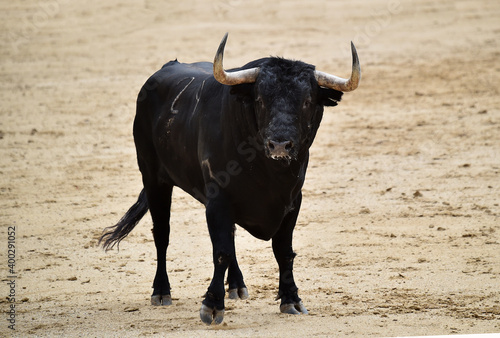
(113, 235)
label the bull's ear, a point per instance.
(329, 97)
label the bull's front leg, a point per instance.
(283, 252)
(220, 227)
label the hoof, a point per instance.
(294, 309)
(241, 293)
(209, 316)
(158, 300)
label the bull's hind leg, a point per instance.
(159, 200)
(236, 286)
(220, 227)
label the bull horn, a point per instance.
(232, 78)
(338, 83)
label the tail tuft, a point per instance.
(113, 235)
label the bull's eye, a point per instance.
(259, 101)
(307, 103)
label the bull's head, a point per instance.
(289, 99)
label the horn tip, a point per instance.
(353, 48)
(220, 50)
(355, 58)
(223, 42)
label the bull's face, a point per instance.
(288, 109)
(289, 99)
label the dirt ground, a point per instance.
(399, 232)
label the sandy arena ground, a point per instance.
(399, 232)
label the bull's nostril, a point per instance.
(281, 151)
(282, 148)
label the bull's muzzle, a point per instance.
(279, 150)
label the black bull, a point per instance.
(239, 143)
